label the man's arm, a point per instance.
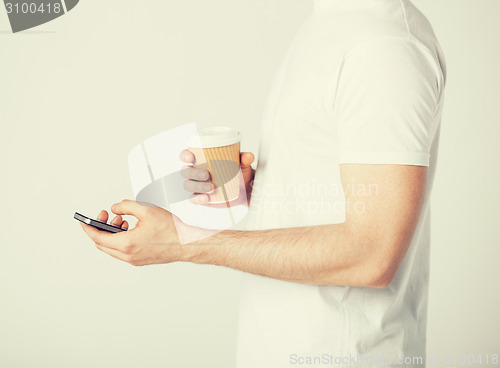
(366, 250)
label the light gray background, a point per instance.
(90, 85)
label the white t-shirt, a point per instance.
(361, 83)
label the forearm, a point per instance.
(365, 250)
(321, 255)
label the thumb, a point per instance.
(128, 207)
(246, 159)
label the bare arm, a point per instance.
(366, 250)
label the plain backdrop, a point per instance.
(78, 93)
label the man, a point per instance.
(355, 105)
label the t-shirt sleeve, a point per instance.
(386, 103)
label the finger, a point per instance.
(125, 225)
(203, 199)
(116, 241)
(103, 216)
(246, 159)
(192, 173)
(128, 207)
(117, 221)
(200, 199)
(198, 186)
(187, 156)
(92, 232)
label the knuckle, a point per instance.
(200, 174)
(198, 187)
(204, 187)
(143, 206)
(129, 248)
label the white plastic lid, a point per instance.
(218, 136)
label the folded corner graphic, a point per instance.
(155, 176)
(70, 4)
(26, 14)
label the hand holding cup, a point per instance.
(213, 176)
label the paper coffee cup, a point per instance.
(217, 149)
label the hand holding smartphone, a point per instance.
(98, 224)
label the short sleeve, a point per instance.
(386, 103)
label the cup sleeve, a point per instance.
(386, 103)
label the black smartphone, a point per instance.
(98, 224)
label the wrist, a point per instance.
(193, 242)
